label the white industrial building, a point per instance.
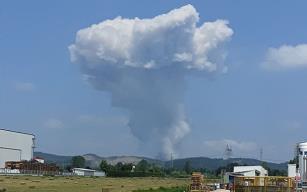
(87, 172)
(250, 171)
(15, 146)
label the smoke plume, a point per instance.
(143, 63)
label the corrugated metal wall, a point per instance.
(15, 146)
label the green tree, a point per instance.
(294, 161)
(155, 169)
(277, 172)
(230, 166)
(227, 168)
(68, 168)
(187, 167)
(104, 166)
(265, 165)
(142, 166)
(127, 167)
(119, 166)
(78, 161)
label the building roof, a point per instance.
(233, 174)
(258, 168)
(249, 167)
(247, 171)
(1, 129)
(38, 158)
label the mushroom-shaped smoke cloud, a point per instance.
(143, 63)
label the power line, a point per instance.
(228, 152)
(172, 161)
(261, 154)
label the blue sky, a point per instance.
(250, 107)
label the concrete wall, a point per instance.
(15, 146)
(99, 174)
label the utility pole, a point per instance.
(261, 154)
(172, 162)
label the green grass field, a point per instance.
(87, 184)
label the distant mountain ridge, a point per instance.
(52, 158)
(214, 163)
(93, 160)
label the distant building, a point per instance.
(291, 170)
(38, 159)
(87, 172)
(250, 171)
(246, 171)
(15, 146)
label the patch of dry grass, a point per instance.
(85, 184)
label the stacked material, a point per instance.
(197, 182)
(31, 165)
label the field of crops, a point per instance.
(85, 184)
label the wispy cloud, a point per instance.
(53, 123)
(103, 120)
(286, 57)
(24, 86)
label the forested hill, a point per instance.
(213, 163)
(93, 161)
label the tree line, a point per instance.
(144, 168)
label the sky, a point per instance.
(259, 103)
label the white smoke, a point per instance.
(143, 63)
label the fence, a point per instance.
(263, 189)
(263, 184)
(4, 171)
